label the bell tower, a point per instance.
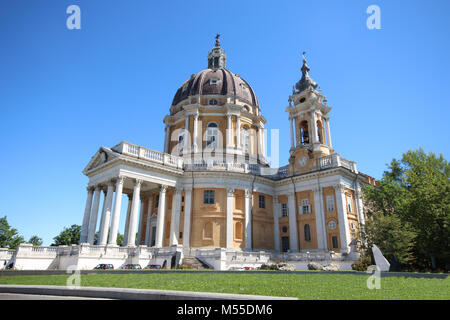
(309, 123)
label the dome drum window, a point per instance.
(212, 135)
(212, 102)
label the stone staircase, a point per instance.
(192, 262)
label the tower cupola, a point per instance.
(217, 57)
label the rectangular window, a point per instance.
(349, 204)
(157, 201)
(208, 197)
(262, 202)
(330, 203)
(182, 208)
(335, 242)
(182, 198)
(305, 208)
(181, 235)
(284, 210)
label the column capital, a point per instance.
(120, 180)
(163, 188)
(339, 187)
(90, 188)
(138, 182)
(247, 193)
(230, 192)
(317, 189)
(290, 194)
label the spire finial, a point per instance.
(216, 57)
(217, 40)
(305, 82)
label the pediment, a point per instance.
(100, 157)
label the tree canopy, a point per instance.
(68, 236)
(409, 210)
(9, 236)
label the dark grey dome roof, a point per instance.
(224, 83)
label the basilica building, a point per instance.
(211, 194)
(212, 186)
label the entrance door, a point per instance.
(284, 244)
(153, 240)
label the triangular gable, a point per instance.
(100, 157)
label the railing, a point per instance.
(148, 154)
(331, 161)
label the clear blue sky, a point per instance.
(64, 93)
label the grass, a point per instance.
(303, 286)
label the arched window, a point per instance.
(181, 140)
(212, 135)
(304, 133)
(307, 233)
(245, 138)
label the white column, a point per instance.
(93, 216)
(314, 127)
(293, 234)
(127, 221)
(175, 219)
(248, 222)
(260, 147)
(141, 217)
(344, 231)
(263, 141)
(186, 134)
(230, 198)
(86, 216)
(160, 218)
(291, 120)
(328, 132)
(134, 214)
(238, 132)
(103, 236)
(276, 223)
(167, 139)
(229, 132)
(194, 139)
(359, 204)
(116, 212)
(187, 217)
(320, 218)
(148, 224)
(102, 216)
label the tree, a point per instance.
(9, 237)
(409, 210)
(35, 241)
(68, 236)
(120, 239)
(394, 238)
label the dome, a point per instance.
(217, 81)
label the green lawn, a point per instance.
(302, 286)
